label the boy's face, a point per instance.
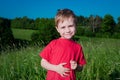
(67, 28)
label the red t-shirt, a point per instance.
(62, 51)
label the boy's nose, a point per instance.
(67, 30)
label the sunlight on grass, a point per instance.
(22, 34)
(102, 55)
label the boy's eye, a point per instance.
(62, 27)
(71, 25)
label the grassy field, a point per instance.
(23, 34)
(102, 55)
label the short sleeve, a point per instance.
(45, 53)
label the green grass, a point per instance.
(103, 62)
(21, 64)
(22, 34)
(102, 55)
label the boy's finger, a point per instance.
(63, 64)
(66, 69)
(73, 62)
(65, 74)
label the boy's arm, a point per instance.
(57, 68)
(75, 66)
(45, 64)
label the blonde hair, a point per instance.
(64, 14)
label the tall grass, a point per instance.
(103, 62)
(102, 55)
(21, 64)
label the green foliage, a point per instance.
(87, 26)
(88, 32)
(81, 20)
(46, 32)
(116, 35)
(6, 36)
(102, 55)
(117, 29)
(80, 30)
(95, 23)
(44, 35)
(23, 23)
(108, 24)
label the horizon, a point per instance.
(47, 9)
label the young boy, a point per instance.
(62, 57)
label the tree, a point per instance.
(6, 36)
(46, 32)
(15, 23)
(108, 24)
(23, 23)
(118, 25)
(95, 22)
(92, 22)
(117, 30)
(81, 20)
(37, 23)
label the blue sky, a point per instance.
(48, 8)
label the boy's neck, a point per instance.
(66, 38)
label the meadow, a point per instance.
(102, 55)
(23, 34)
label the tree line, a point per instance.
(92, 26)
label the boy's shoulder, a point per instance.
(78, 44)
(53, 42)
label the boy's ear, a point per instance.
(57, 29)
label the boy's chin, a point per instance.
(67, 37)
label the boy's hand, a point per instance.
(73, 64)
(62, 70)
